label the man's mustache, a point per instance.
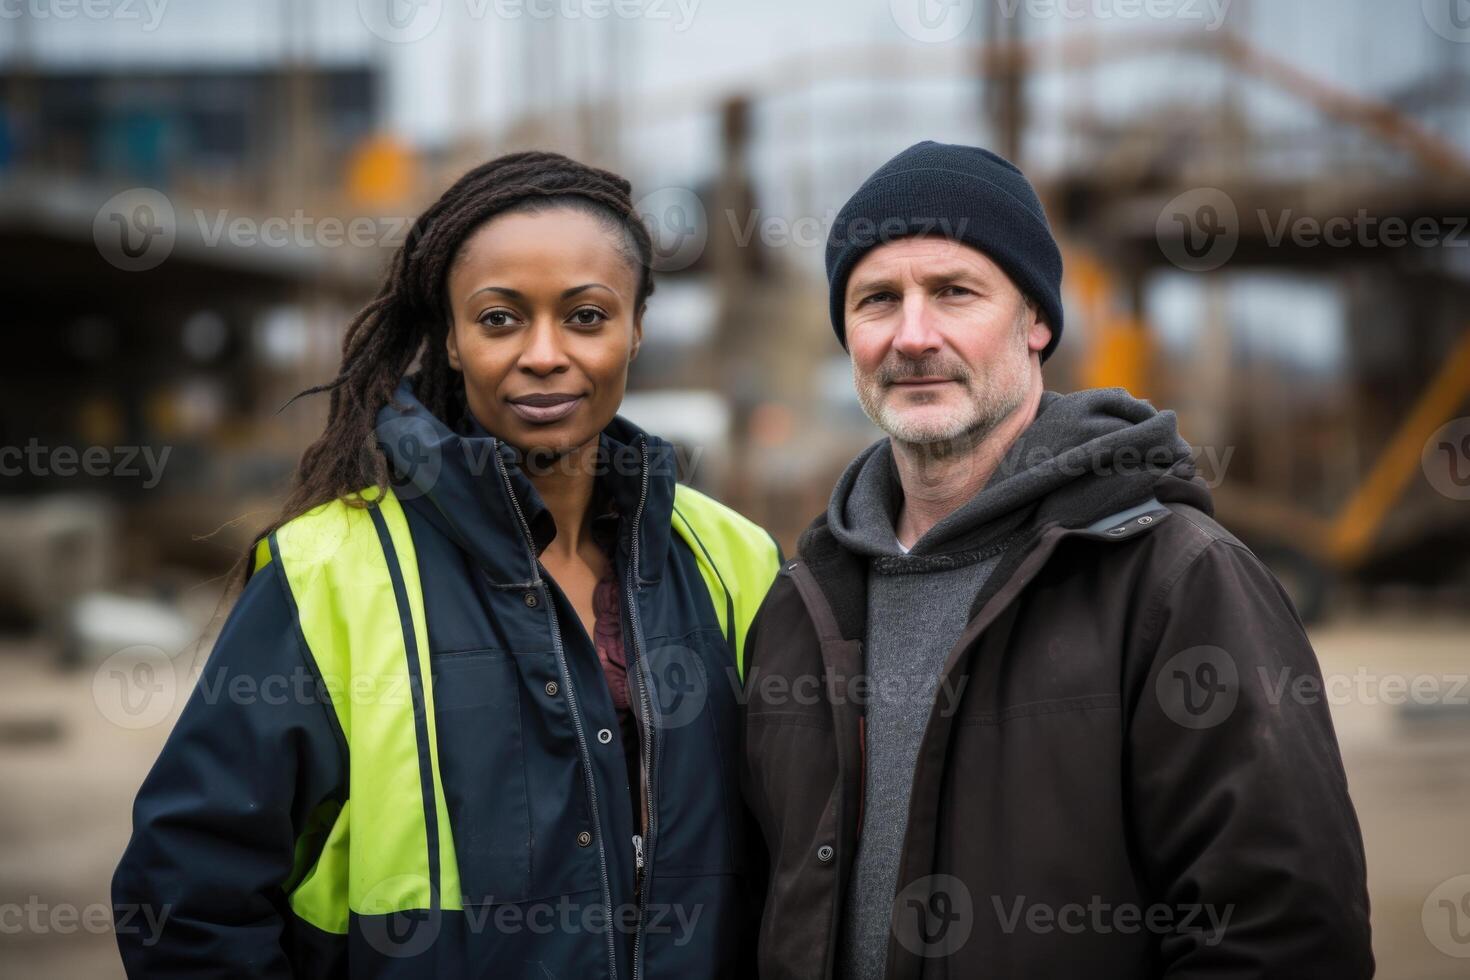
(893, 372)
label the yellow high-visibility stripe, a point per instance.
(736, 557)
(377, 863)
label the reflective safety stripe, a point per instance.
(350, 615)
(736, 557)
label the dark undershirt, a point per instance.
(607, 637)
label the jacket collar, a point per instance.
(843, 574)
(471, 486)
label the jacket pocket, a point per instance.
(477, 712)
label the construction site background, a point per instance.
(1263, 208)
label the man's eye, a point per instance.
(953, 290)
(588, 316)
(883, 297)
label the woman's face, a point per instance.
(543, 327)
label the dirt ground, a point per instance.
(69, 774)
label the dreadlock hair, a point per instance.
(409, 319)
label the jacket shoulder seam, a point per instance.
(1203, 542)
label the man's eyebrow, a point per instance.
(950, 274)
(942, 275)
(871, 282)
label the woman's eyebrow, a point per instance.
(502, 290)
(518, 295)
(565, 293)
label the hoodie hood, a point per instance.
(1086, 455)
(470, 485)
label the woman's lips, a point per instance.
(544, 409)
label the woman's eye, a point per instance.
(588, 316)
(496, 318)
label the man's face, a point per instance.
(944, 346)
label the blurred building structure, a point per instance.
(195, 200)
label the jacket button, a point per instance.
(531, 599)
(604, 736)
(584, 838)
(552, 688)
(824, 853)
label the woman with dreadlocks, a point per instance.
(474, 712)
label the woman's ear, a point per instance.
(637, 334)
(451, 347)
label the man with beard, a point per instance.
(1019, 707)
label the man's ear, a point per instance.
(1038, 336)
(451, 347)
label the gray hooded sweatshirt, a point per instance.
(1103, 450)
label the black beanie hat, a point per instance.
(960, 192)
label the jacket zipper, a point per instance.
(566, 678)
(642, 845)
